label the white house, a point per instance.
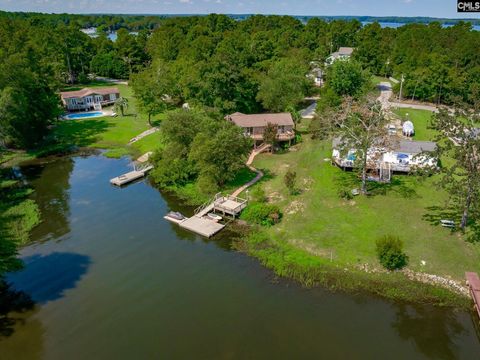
(89, 99)
(344, 53)
(403, 156)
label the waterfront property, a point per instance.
(343, 53)
(254, 125)
(402, 156)
(89, 99)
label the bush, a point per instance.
(262, 214)
(258, 195)
(390, 252)
(290, 179)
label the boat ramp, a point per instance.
(200, 223)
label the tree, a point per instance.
(121, 104)
(390, 252)
(218, 154)
(459, 140)
(290, 181)
(360, 127)
(346, 78)
(284, 86)
(154, 89)
(270, 135)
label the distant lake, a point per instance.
(395, 25)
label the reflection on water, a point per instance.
(51, 183)
(123, 283)
(434, 335)
(47, 277)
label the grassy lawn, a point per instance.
(421, 120)
(321, 223)
(112, 134)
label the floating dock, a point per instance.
(200, 224)
(130, 176)
(474, 285)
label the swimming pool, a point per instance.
(84, 115)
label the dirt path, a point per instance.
(249, 162)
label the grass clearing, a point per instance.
(322, 224)
(110, 133)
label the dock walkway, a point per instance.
(474, 286)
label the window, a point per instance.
(249, 131)
(113, 97)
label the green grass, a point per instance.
(421, 120)
(110, 133)
(320, 223)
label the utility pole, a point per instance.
(401, 88)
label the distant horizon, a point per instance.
(440, 9)
(247, 14)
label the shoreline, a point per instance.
(311, 271)
(293, 263)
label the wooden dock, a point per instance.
(200, 224)
(474, 285)
(131, 176)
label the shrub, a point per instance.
(290, 180)
(390, 252)
(258, 195)
(262, 214)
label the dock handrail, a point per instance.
(207, 204)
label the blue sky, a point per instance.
(433, 8)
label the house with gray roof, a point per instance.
(401, 156)
(343, 53)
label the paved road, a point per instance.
(309, 112)
(386, 93)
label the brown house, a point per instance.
(254, 125)
(89, 99)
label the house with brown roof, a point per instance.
(89, 99)
(254, 125)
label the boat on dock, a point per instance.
(214, 217)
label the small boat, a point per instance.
(214, 217)
(176, 215)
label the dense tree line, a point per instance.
(258, 63)
(104, 22)
(38, 59)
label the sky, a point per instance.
(431, 8)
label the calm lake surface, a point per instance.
(113, 280)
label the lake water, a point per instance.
(113, 280)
